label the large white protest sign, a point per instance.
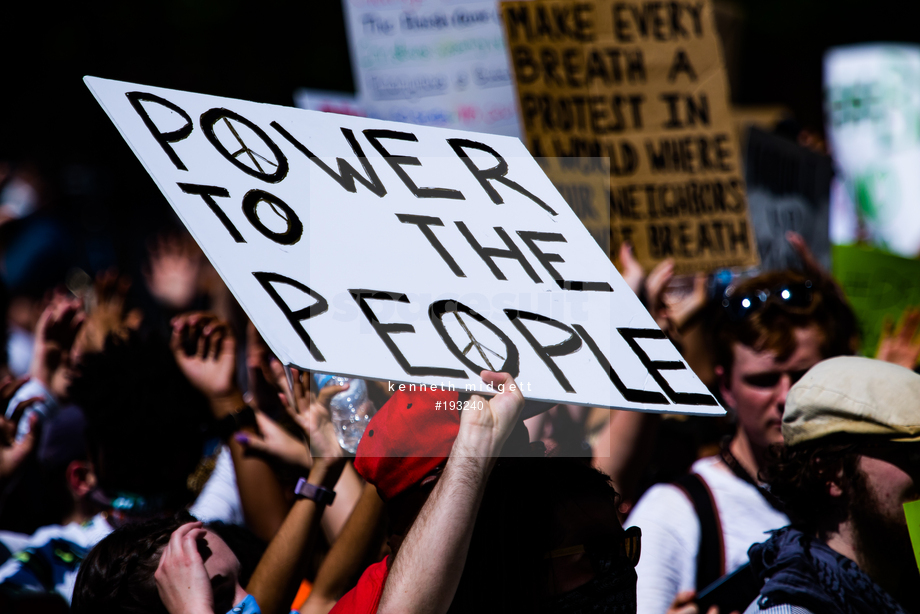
(402, 253)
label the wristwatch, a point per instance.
(322, 496)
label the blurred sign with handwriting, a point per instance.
(872, 109)
(432, 63)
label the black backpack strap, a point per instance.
(710, 560)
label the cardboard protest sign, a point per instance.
(788, 188)
(878, 285)
(432, 63)
(401, 253)
(643, 84)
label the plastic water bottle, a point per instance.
(351, 409)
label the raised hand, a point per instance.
(901, 346)
(262, 393)
(483, 431)
(275, 442)
(105, 313)
(682, 309)
(310, 410)
(181, 578)
(55, 334)
(174, 263)
(811, 265)
(655, 285)
(809, 262)
(205, 350)
(424, 574)
(672, 311)
(632, 272)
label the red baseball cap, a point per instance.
(409, 437)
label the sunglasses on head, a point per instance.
(605, 552)
(740, 306)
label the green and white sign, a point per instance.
(872, 109)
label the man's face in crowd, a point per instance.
(223, 569)
(759, 384)
(579, 522)
(885, 480)
(597, 578)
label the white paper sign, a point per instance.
(402, 253)
(432, 62)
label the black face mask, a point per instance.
(611, 592)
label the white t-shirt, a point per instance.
(220, 498)
(671, 532)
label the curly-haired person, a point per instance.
(851, 460)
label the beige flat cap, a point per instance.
(851, 394)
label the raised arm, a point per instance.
(211, 367)
(362, 533)
(275, 580)
(349, 487)
(426, 571)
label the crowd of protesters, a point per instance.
(155, 457)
